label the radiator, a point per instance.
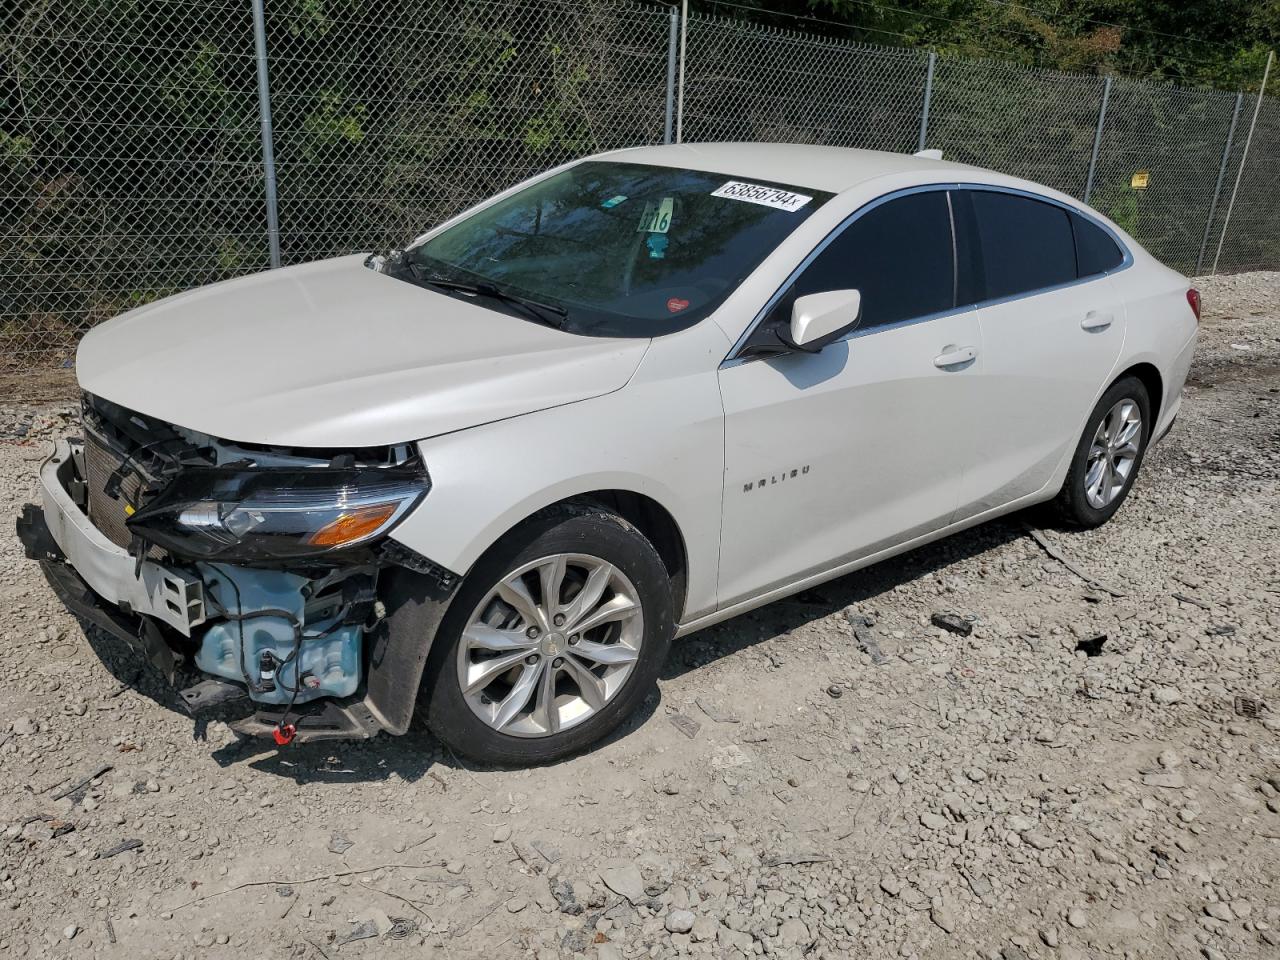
(107, 512)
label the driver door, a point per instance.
(837, 455)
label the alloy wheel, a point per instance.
(550, 645)
(1113, 454)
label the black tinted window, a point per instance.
(898, 255)
(1026, 244)
(1096, 252)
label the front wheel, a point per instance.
(554, 638)
(1108, 456)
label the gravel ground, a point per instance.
(832, 776)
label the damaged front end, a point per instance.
(259, 567)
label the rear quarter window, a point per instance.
(1026, 244)
(1096, 252)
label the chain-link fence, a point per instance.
(391, 117)
(130, 166)
(132, 132)
(745, 82)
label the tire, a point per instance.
(1077, 504)
(601, 553)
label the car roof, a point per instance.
(833, 169)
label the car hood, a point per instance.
(333, 354)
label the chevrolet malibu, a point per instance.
(485, 480)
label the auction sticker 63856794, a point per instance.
(765, 196)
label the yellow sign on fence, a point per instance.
(1140, 180)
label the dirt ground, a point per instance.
(1027, 791)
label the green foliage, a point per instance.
(131, 160)
(308, 19)
(1119, 201)
(332, 121)
(233, 256)
(14, 149)
(1220, 43)
(561, 124)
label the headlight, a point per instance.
(277, 513)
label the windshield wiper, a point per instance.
(544, 313)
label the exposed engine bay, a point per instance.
(257, 566)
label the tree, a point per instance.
(1220, 43)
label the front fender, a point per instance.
(660, 436)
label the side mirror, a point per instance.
(822, 318)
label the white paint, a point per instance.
(820, 315)
(334, 354)
(901, 445)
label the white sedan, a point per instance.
(488, 478)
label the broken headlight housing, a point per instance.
(277, 513)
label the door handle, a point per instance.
(1095, 320)
(954, 357)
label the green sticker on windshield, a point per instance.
(656, 217)
(613, 202)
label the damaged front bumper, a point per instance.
(228, 622)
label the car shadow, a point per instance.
(320, 762)
(410, 758)
(419, 756)
(130, 667)
(416, 756)
(776, 619)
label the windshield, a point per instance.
(617, 249)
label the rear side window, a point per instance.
(1096, 252)
(1026, 244)
(899, 256)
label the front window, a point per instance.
(898, 255)
(615, 249)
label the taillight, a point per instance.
(1193, 298)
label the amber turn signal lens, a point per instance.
(353, 526)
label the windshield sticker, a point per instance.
(613, 202)
(657, 216)
(765, 196)
(657, 244)
(675, 305)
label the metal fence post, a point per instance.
(1097, 139)
(1217, 190)
(684, 37)
(672, 41)
(928, 96)
(1248, 141)
(264, 114)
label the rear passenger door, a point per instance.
(1051, 334)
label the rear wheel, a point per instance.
(555, 637)
(1108, 456)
